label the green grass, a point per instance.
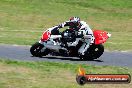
(18, 74)
(22, 21)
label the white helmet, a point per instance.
(74, 19)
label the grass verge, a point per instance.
(22, 21)
(18, 74)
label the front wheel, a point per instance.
(36, 50)
(94, 52)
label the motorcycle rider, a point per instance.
(81, 28)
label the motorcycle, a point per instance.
(67, 44)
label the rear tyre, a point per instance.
(36, 50)
(94, 52)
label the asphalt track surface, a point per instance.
(114, 58)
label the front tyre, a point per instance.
(36, 50)
(94, 52)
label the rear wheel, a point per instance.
(37, 50)
(94, 52)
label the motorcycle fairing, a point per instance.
(100, 36)
(45, 36)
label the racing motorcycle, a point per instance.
(66, 43)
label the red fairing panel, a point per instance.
(100, 36)
(45, 36)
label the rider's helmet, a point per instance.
(74, 21)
